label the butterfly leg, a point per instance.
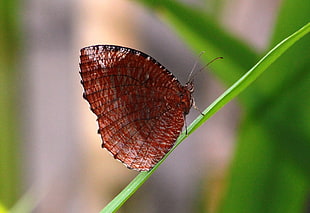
(185, 126)
(196, 108)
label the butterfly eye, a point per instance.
(190, 87)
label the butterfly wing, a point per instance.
(136, 101)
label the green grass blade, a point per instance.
(227, 96)
(252, 74)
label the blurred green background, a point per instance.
(269, 169)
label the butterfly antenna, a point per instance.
(214, 59)
(194, 67)
(191, 77)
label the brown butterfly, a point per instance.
(140, 106)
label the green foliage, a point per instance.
(270, 170)
(9, 171)
(2, 209)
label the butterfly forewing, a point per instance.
(139, 105)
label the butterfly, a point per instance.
(139, 104)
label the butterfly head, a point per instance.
(190, 86)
